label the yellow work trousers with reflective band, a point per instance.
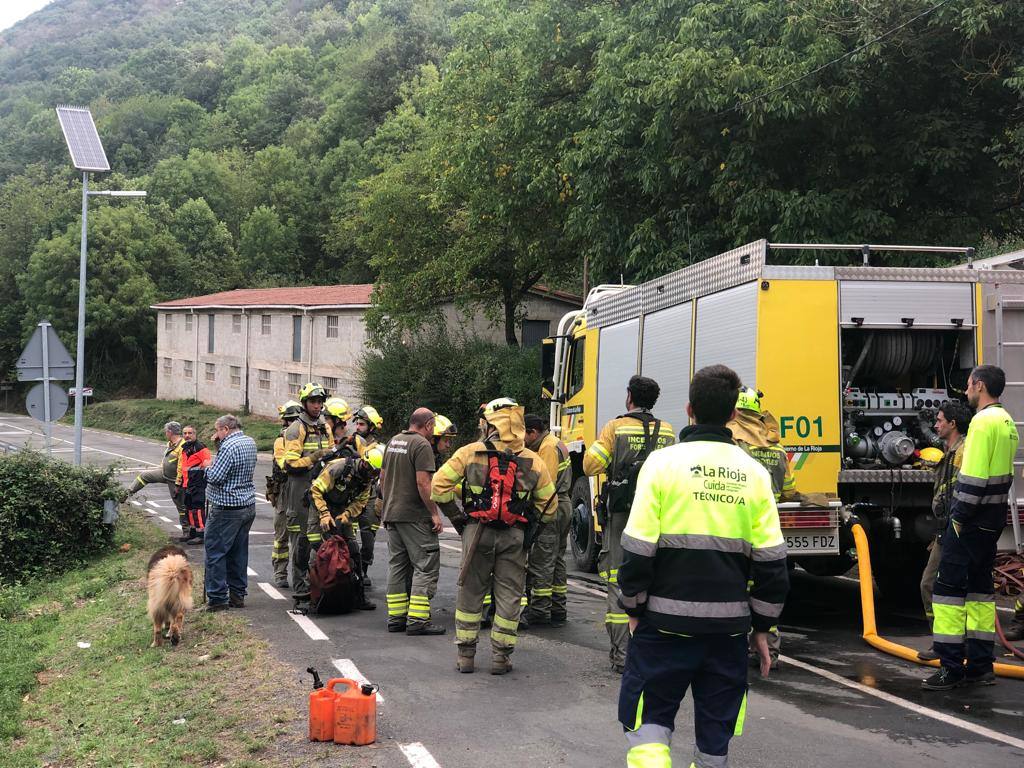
(279, 551)
(546, 575)
(608, 562)
(414, 564)
(293, 501)
(498, 567)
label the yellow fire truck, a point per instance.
(852, 360)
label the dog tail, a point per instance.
(170, 587)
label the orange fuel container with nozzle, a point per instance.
(321, 710)
(355, 712)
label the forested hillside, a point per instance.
(476, 148)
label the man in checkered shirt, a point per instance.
(232, 497)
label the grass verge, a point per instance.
(146, 418)
(219, 698)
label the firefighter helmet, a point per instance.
(375, 457)
(749, 400)
(931, 455)
(337, 408)
(443, 426)
(312, 389)
(497, 404)
(369, 414)
(289, 410)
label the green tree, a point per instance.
(211, 263)
(269, 246)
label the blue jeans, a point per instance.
(227, 551)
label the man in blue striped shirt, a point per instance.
(232, 496)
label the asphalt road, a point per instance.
(835, 702)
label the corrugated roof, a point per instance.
(304, 296)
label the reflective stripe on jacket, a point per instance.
(555, 456)
(344, 503)
(983, 488)
(619, 443)
(703, 527)
(776, 461)
(303, 438)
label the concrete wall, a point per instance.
(245, 358)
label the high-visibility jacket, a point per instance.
(703, 549)
(340, 491)
(468, 467)
(620, 441)
(279, 451)
(946, 473)
(172, 457)
(555, 456)
(303, 438)
(983, 487)
(776, 461)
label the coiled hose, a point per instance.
(867, 608)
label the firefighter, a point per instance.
(507, 494)
(339, 494)
(289, 412)
(703, 563)
(336, 414)
(306, 441)
(444, 433)
(368, 426)
(167, 473)
(619, 451)
(546, 576)
(951, 424)
(755, 431)
(963, 603)
(413, 523)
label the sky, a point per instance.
(12, 11)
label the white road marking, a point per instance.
(311, 629)
(584, 588)
(21, 430)
(135, 503)
(15, 434)
(166, 519)
(251, 572)
(261, 533)
(153, 504)
(942, 717)
(270, 590)
(418, 756)
(450, 546)
(351, 671)
(94, 450)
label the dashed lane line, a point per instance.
(418, 756)
(135, 503)
(270, 590)
(165, 519)
(348, 669)
(312, 630)
(89, 448)
(942, 717)
(251, 572)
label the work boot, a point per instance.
(425, 628)
(281, 581)
(1014, 632)
(396, 626)
(618, 669)
(943, 680)
(213, 607)
(928, 654)
(464, 662)
(501, 664)
(559, 619)
(236, 600)
(366, 605)
(366, 582)
(985, 678)
(530, 617)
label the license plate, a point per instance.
(812, 541)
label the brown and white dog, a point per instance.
(170, 592)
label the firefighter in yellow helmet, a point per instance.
(336, 414)
(306, 442)
(339, 494)
(288, 412)
(756, 432)
(444, 433)
(619, 451)
(507, 493)
(368, 425)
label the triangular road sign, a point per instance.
(30, 362)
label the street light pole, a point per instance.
(80, 354)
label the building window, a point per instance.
(169, 321)
(188, 322)
(188, 369)
(236, 323)
(211, 372)
(209, 333)
(263, 378)
(265, 325)
(236, 376)
(297, 338)
(535, 331)
(330, 384)
(294, 382)
(167, 366)
(332, 326)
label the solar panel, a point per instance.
(83, 142)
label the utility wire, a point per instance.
(836, 60)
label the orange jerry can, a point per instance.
(355, 712)
(321, 710)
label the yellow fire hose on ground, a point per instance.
(867, 607)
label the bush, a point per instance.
(449, 376)
(51, 514)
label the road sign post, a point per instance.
(45, 359)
